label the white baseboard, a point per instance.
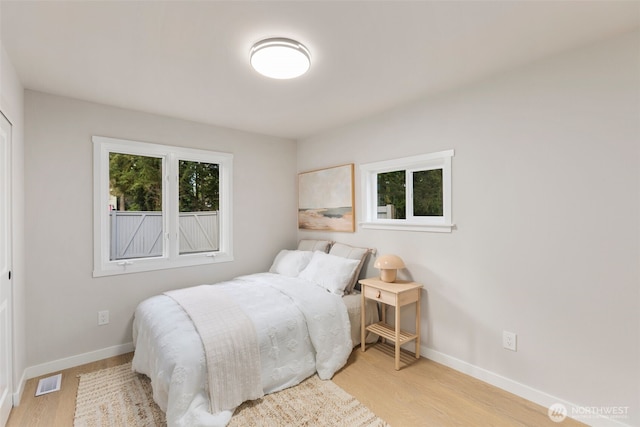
(80, 359)
(541, 398)
(17, 394)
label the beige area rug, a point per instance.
(118, 397)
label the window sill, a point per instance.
(152, 264)
(433, 228)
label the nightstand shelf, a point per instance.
(397, 294)
(387, 332)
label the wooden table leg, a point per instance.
(383, 316)
(397, 338)
(363, 316)
(418, 326)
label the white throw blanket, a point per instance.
(230, 345)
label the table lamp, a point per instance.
(388, 265)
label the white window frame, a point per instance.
(369, 189)
(171, 258)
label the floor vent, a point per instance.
(49, 385)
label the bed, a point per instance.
(302, 314)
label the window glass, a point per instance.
(135, 206)
(427, 193)
(199, 200)
(392, 195)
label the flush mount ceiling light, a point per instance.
(280, 58)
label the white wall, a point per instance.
(12, 106)
(546, 200)
(63, 298)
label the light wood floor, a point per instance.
(423, 393)
(426, 393)
(56, 409)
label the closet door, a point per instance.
(6, 350)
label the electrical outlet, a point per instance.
(509, 340)
(103, 317)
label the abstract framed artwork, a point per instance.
(326, 199)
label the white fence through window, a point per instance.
(387, 212)
(136, 234)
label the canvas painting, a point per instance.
(326, 199)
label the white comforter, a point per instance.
(301, 329)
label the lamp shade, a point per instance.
(388, 265)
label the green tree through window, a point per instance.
(426, 194)
(199, 189)
(427, 190)
(136, 182)
(392, 191)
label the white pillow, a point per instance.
(290, 263)
(330, 272)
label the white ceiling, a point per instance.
(189, 59)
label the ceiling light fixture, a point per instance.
(280, 58)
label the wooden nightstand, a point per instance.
(397, 294)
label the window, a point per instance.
(157, 206)
(412, 193)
